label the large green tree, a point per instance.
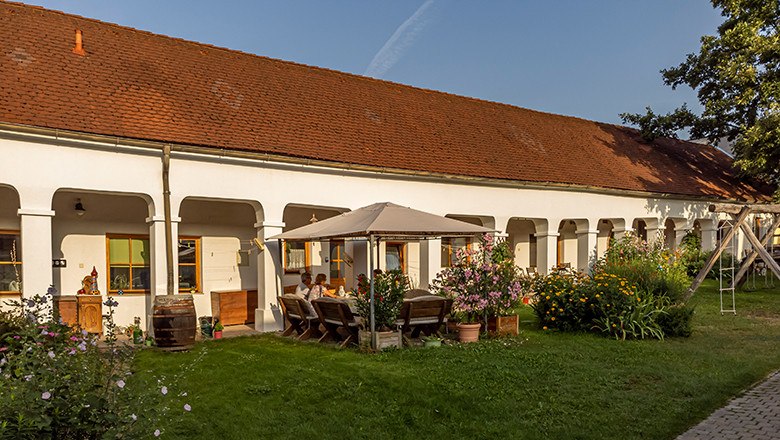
(736, 75)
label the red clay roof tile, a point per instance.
(140, 85)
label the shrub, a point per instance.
(389, 288)
(677, 320)
(562, 301)
(605, 303)
(654, 270)
(482, 282)
(58, 383)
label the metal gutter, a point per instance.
(28, 131)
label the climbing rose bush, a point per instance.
(60, 383)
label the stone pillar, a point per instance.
(430, 261)
(587, 240)
(546, 250)
(35, 251)
(709, 237)
(268, 315)
(655, 234)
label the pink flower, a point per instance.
(187, 407)
(46, 395)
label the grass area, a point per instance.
(536, 386)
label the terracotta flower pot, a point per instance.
(468, 332)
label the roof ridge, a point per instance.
(299, 64)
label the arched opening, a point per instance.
(11, 257)
(567, 244)
(640, 228)
(522, 237)
(107, 232)
(606, 234)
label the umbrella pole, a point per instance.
(371, 297)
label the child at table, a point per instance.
(319, 289)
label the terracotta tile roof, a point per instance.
(141, 85)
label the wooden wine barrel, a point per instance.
(174, 322)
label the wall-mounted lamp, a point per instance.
(313, 219)
(79, 208)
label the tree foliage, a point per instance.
(737, 79)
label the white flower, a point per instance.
(187, 407)
(28, 377)
(46, 395)
(51, 354)
(120, 383)
(3, 361)
(164, 390)
(156, 432)
(134, 417)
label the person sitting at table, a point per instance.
(302, 290)
(318, 290)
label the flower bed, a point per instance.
(57, 382)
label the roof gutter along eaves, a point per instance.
(98, 140)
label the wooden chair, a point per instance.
(300, 318)
(423, 314)
(335, 314)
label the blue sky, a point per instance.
(593, 59)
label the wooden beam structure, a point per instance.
(740, 218)
(754, 208)
(739, 213)
(743, 269)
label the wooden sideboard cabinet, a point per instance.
(233, 307)
(86, 311)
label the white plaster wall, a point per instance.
(268, 188)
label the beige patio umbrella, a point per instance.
(382, 220)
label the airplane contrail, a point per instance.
(396, 45)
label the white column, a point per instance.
(268, 316)
(655, 234)
(546, 250)
(430, 261)
(159, 262)
(587, 240)
(36, 251)
(709, 236)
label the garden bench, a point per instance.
(335, 314)
(423, 314)
(300, 317)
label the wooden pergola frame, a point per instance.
(740, 215)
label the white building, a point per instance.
(261, 146)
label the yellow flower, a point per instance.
(547, 297)
(553, 318)
(613, 326)
(544, 328)
(598, 296)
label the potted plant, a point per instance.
(149, 341)
(137, 333)
(389, 288)
(218, 327)
(482, 283)
(431, 341)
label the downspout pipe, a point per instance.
(167, 212)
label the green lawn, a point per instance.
(538, 385)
